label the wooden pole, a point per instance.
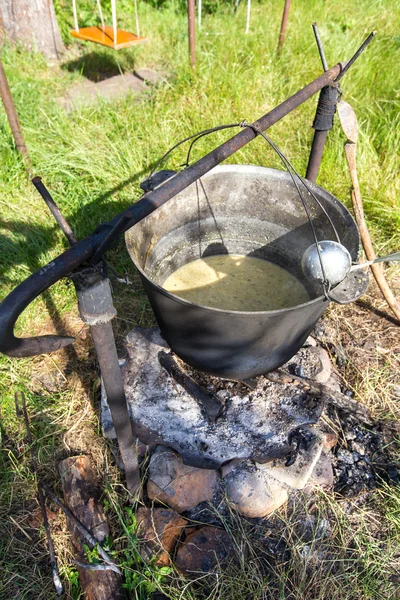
(285, 18)
(192, 32)
(377, 269)
(349, 123)
(81, 496)
(13, 120)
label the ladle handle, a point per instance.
(390, 257)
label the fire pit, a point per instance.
(254, 443)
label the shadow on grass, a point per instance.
(98, 66)
(37, 240)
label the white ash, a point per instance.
(255, 423)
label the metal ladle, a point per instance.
(336, 262)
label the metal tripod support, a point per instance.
(81, 263)
(97, 310)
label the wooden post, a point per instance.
(285, 18)
(12, 117)
(81, 496)
(192, 32)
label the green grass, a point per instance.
(93, 160)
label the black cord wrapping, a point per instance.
(326, 108)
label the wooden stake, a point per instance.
(348, 120)
(377, 269)
(285, 18)
(81, 496)
(192, 32)
(13, 120)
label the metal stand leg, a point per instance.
(104, 342)
(97, 310)
(323, 122)
(317, 150)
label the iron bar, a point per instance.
(12, 117)
(55, 211)
(106, 351)
(317, 150)
(320, 47)
(356, 55)
(111, 236)
(326, 108)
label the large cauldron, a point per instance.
(238, 209)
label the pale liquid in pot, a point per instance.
(236, 282)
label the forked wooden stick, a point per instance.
(349, 124)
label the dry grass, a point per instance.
(364, 340)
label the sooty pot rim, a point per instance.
(279, 174)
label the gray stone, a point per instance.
(150, 75)
(345, 456)
(252, 492)
(314, 362)
(113, 88)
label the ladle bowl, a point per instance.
(236, 209)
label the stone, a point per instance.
(345, 456)
(358, 447)
(176, 484)
(313, 362)
(251, 492)
(204, 551)
(150, 75)
(87, 93)
(297, 475)
(158, 530)
(331, 439)
(322, 474)
(325, 370)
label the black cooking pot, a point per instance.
(236, 209)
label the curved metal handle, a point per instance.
(16, 302)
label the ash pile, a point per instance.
(251, 442)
